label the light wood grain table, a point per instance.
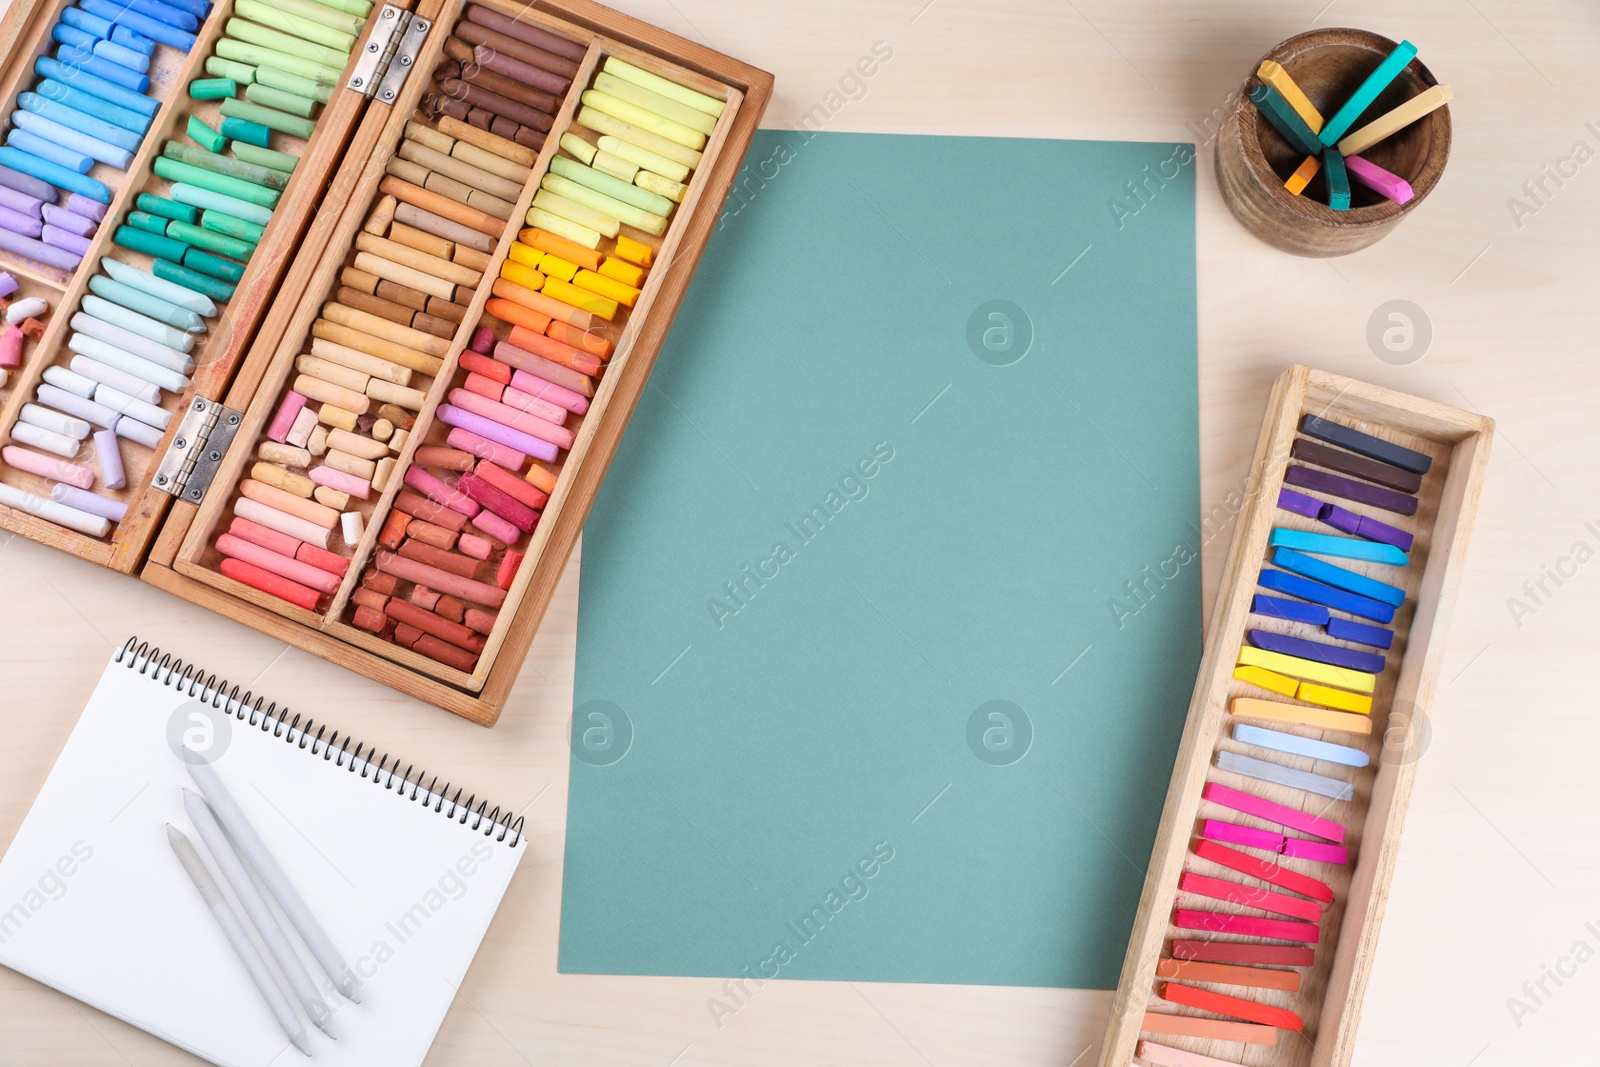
(1500, 872)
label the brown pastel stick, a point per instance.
(373, 305)
(370, 619)
(429, 534)
(470, 258)
(359, 279)
(534, 139)
(422, 241)
(463, 193)
(399, 416)
(382, 212)
(406, 170)
(446, 653)
(453, 562)
(483, 67)
(450, 608)
(439, 226)
(451, 167)
(1337, 459)
(556, 72)
(492, 102)
(522, 31)
(443, 206)
(442, 328)
(503, 147)
(406, 635)
(432, 623)
(410, 277)
(404, 295)
(411, 570)
(395, 252)
(444, 309)
(428, 511)
(372, 579)
(379, 327)
(376, 346)
(369, 598)
(450, 459)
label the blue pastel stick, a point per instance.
(94, 25)
(1295, 745)
(65, 33)
(1299, 503)
(76, 162)
(1338, 179)
(91, 105)
(1337, 126)
(1317, 652)
(121, 55)
(198, 8)
(54, 173)
(164, 13)
(1317, 593)
(1342, 578)
(1282, 116)
(70, 117)
(89, 83)
(85, 60)
(1360, 633)
(129, 39)
(70, 138)
(1290, 610)
(182, 40)
(1342, 547)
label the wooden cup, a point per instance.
(1253, 161)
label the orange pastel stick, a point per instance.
(450, 459)
(437, 625)
(429, 534)
(427, 200)
(555, 351)
(1228, 974)
(556, 245)
(394, 529)
(520, 295)
(484, 387)
(584, 340)
(415, 503)
(369, 619)
(559, 310)
(298, 506)
(516, 314)
(489, 368)
(511, 485)
(1222, 1004)
(541, 476)
(467, 589)
(273, 584)
(1160, 1022)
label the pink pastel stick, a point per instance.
(474, 546)
(435, 489)
(483, 448)
(527, 422)
(1299, 848)
(360, 488)
(516, 398)
(532, 384)
(1166, 1056)
(1250, 896)
(1220, 923)
(1234, 834)
(109, 454)
(268, 560)
(482, 341)
(256, 533)
(1379, 180)
(525, 443)
(1272, 811)
(496, 527)
(26, 459)
(283, 421)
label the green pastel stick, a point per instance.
(142, 220)
(189, 174)
(234, 168)
(160, 205)
(265, 157)
(146, 282)
(222, 222)
(168, 271)
(250, 33)
(260, 56)
(627, 192)
(204, 135)
(293, 83)
(150, 244)
(271, 118)
(295, 25)
(217, 267)
(241, 73)
(242, 132)
(145, 304)
(210, 241)
(620, 68)
(267, 96)
(185, 193)
(213, 88)
(362, 8)
(323, 14)
(648, 221)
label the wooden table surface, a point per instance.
(1499, 878)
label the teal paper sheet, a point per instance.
(890, 608)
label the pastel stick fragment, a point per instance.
(1315, 851)
(1234, 834)
(1350, 489)
(1360, 633)
(1339, 577)
(1299, 503)
(1289, 610)
(1366, 526)
(1338, 656)
(1367, 445)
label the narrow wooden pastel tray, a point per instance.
(217, 354)
(1329, 1000)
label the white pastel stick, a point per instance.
(50, 511)
(277, 882)
(118, 401)
(138, 366)
(139, 432)
(171, 292)
(55, 422)
(49, 440)
(101, 374)
(128, 341)
(240, 941)
(71, 381)
(350, 525)
(284, 523)
(257, 911)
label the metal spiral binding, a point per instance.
(191, 680)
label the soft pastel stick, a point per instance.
(49, 440)
(17, 222)
(1318, 651)
(37, 250)
(1247, 925)
(1319, 593)
(137, 366)
(136, 344)
(58, 154)
(145, 304)
(138, 432)
(1296, 183)
(288, 503)
(73, 139)
(1166, 1056)
(103, 375)
(61, 218)
(36, 190)
(1229, 974)
(1316, 718)
(1425, 102)
(1236, 1007)
(61, 470)
(495, 526)
(160, 288)
(284, 523)
(1274, 75)
(1281, 117)
(110, 92)
(1268, 680)
(1307, 670)
(64, 114)
(54, 173)
(285, 566)
(527, 444)
(1271, 811)
(133, 322)
(1376, 82)
(50, 511)
(1339, 547)
(109, 455)
(1289, 610)
(1350, 489)
(155, 29)
(1268, 870)
(1338, 699)
(1365, 444)
(1338, 180)
(483, 448)
(529, 384)
(349, 484)
(1338, 577)
(75, 405)
(194, 195)
(1160, 1022)
(288, 408)
(92, 503)
(1277, 774)
(1295, 745)
(1316, 851)
(1360, 632)
(62, 378)
(1234, 834)
(1299, 503)
(1244, 952)
(55, 421)
(1379, 180)
(268, 582)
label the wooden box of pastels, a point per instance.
(1266, 887)
(373, 426)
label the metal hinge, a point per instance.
(390, 54)
(196, 451)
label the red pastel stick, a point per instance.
(1232, 832)
(1222, 923)
(1244, 952)
(438, 626)
(509, 483)
(322, 559)
(1266, 870)
(1237, 1007)
(446, 653)
(1300, 848)
(1272, 811)
(1250, 896)
(489, 368)
(267, 582)
(498, 501)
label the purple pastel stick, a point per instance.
(1234, 834)
(76, 406)
(17, 222)
(89, 209)
(1317, 652)
(527, 444)
(136, 431)
(8, 284)
(21, 203)
(1350, 489)
(55, 235)
(27, 184)
(63, 219)
(110, 457)
(1317, 851)
(49, 255)
(1299, 503)
(1340, 519)
(1373, 530)
(102, 506)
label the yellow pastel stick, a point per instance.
(1398, 119)
(1296, 667)
(521, 253)
(1277, 683)
(1312, 693)
(1316, 718)
(1303, 174)
(1274, 75)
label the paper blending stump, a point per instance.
(737, 769)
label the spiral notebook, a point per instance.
(93, 902)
